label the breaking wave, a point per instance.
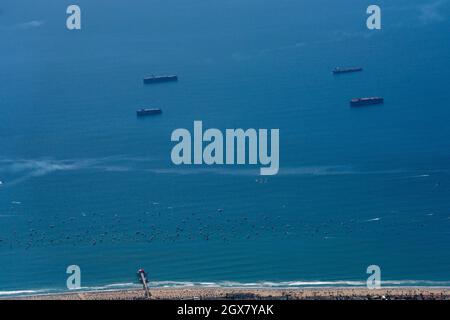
(299, 284)
(24, 292)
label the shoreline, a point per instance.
(221, 293)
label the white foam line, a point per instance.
(273, 284)
(23, 292)
(300, 284)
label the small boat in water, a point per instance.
(157, 79)
(148, 112)
(339, 70)
(360, 102)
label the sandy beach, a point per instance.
(200, 293)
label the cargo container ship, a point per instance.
(148, 112)
(158, 79)
(360, 102)
(340, 70)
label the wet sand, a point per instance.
(200, 293)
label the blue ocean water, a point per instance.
(85, 182)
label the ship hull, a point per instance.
(366, 102)
(148, 112)
(160, 79)
(348, 70)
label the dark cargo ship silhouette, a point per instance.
(360, 102)
(148, 111)
(157, 79)
(339, 70)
